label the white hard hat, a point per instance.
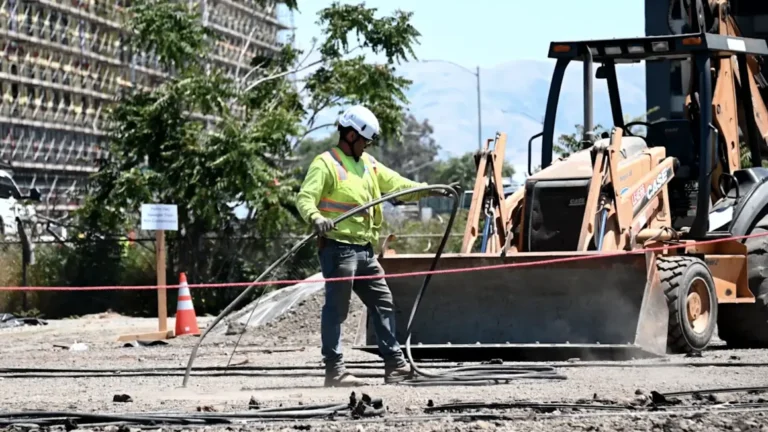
(362, 120)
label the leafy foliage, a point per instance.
(208, 142)
(340, 80)
(169, 29)
(415, 236)
(568, 144)
(463, 170)
(412, 154)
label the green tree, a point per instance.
(567, 144)
(462, 169)
(410, 154)
(413, 152)
(205, 141)
(309, 148)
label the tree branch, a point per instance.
(280, 75)
(242, 53)
(309, 131)
(296, 70)
(311, 49)
(323, 106)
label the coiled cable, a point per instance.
(470, 375)
(227, 310)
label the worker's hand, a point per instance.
(322, 225)
(443, 193)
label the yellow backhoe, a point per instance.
(603, 216)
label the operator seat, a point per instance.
(678, 140)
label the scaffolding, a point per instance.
(63, 62)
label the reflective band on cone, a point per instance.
(186, 319)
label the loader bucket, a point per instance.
(606, 308)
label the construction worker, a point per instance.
(339, 180)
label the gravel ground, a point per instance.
(294, 341)
(301, 325)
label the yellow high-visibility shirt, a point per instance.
(336, 183)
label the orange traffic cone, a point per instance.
(186, 319)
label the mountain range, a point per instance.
(513, 100)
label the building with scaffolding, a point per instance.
(64, 62)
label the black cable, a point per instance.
(355, 408)
(228, 373)
(60, 417)
(469, 375)
(254, 370)
(524, 404)
(306, 239)
(51, 418)
(472, 375)
(30, 416)
(718, 390)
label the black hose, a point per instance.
(281, 371)
(6, 418)
(49, 418)
(471, 375)
(524, 404)
(306, 239)
(759, 389)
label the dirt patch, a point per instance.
(283, 377)
(301, 324)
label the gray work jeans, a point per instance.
(339, 260)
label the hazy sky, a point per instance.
(494, 31)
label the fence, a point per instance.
(85, 263)
(119, 262)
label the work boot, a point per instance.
(395, 374)
(346, 379)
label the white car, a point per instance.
(11, 206)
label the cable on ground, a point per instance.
(468, 375)
(365, 406)
(295, 371)
(472, 375)
(306, 240)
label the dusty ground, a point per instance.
(294, 341)
(301, 325)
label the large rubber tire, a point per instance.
(687, 282)
(746, 325)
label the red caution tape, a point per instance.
(387, 276)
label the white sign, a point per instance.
(156, 217)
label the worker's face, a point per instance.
(359, 145)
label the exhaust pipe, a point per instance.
(589, 119)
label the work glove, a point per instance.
(322, 225)
(443, 193)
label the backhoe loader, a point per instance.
(625, 248)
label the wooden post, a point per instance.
(158, 218)
(162, 300)
(162, 297)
